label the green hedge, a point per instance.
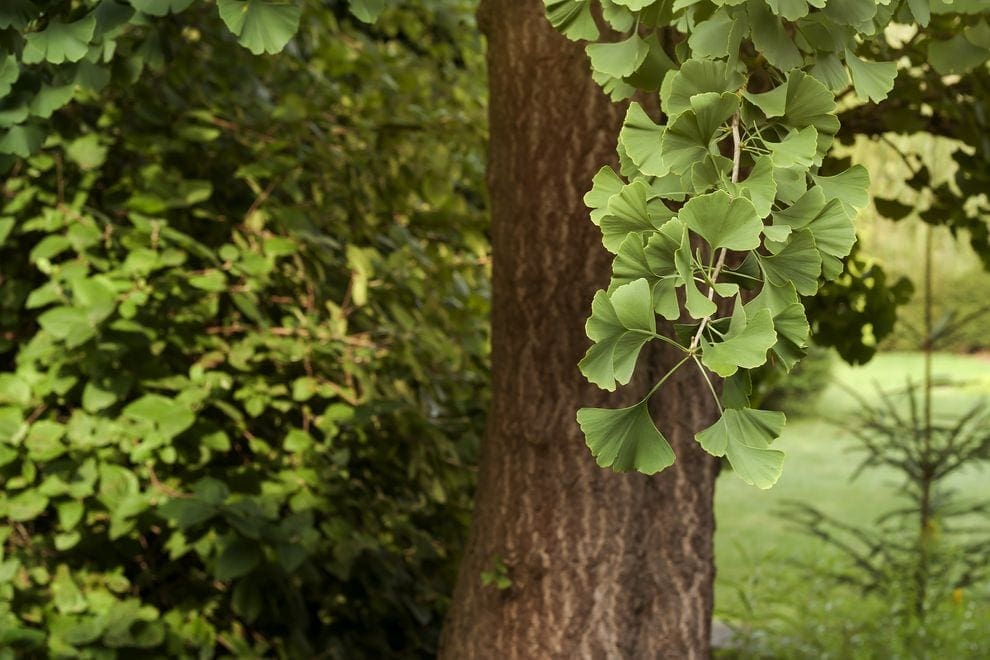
(243, 347)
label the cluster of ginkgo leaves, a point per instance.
(720, 218)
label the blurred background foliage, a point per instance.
(243, 345)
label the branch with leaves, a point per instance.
(722, 219)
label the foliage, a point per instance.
(921, 555)
(241, 336)
(726, 215)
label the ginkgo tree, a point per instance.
(721, 218)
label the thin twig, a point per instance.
(736, 156)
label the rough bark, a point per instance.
(602, 565)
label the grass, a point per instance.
(751, 538)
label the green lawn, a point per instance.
(752, 540)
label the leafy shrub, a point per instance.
(242, 348)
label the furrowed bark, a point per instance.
(602, 565)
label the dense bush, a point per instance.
(242, 346)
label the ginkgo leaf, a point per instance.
(21, 140)
(791, 10)
(653, 262)
(48, 99)
(851, 186)
(798, 148)
(641, 139)
(367, 11)
(261, 26)
(605, 184)
(771, 103)
(770, 37)
(625, 439)
(723, 221)
(17, 14)
(572, 18)
(621, 323)
(744, 435)
(759, 187)
(810, 103)
(689, 138)
(850, 12)
(921, 10)
(872, 80)
(698, 305)
(798, 262)
(697, 77)
(829, 71)
(710, 38)
(161, 7)
(630, 210)
(9, 73)
(745, 345)
(618, 59)
(59, 42)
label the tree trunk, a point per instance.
(601, 565)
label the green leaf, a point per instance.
(691, 136)
(66, 596)
(850, 12)
(745, 345)
(572, 18)
(799, 262)
(625, 439)
(872, 80)
(26, 505)
(922, 11)
(723, 221)
(710, 38)
(772, 103)
(629, 211)
(698, 305)
(770, 37)
(10, 71)
(605, 184)
(49, 99)
(791, 10)
(620, 325)
(653, 262)
(21, 140)
(237, 560)
(68, 324)
(697, 77)
(744, 437)
(798, 149)
(161, 7)
(367, 11)
(618, 59)
(810, 103)
(640, 138)
(851, 187)
(759, 187)
(261, 26)
(17, 14)
(59, 42)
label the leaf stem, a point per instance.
(736, 157)
(663, 380)
(711, 386)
